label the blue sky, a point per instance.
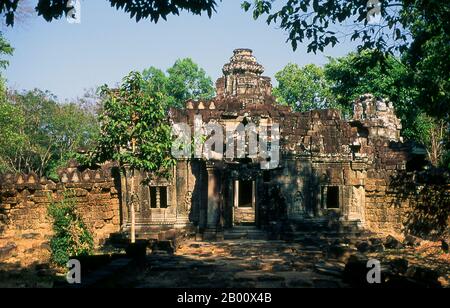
(68, 58)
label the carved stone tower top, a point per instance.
(242, 79)
(243, 63)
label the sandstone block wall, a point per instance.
(24, 200)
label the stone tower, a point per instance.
(243, 79)
(378, 116)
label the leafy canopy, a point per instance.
(188, 81)
(184, 80)
(428, 57)
(362, 72)
(11, 138)
(137, 9)
(47, 134)
(304, 88)
(134, 127)
(319, 22)
(37, 134)
(5, 50)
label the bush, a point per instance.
(71, 236)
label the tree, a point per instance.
(184, 80)
(5, 50)
(71, 129)
(304, 88)
(51, 133)
(428, 58)
(155, 80)
(382, 25)
(436, 141)
(10, 117)
(142, 9)
(135, 131)
(188, 81)
(360, 73)
(417, 28)
(11, 138)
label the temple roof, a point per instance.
(243, 62)
(243, 79)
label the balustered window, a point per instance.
(159, 197)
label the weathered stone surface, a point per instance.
(30, 236)
(23, 208)
(7, 251)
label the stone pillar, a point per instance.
(213, 205)
(183, 195)
(236, 194)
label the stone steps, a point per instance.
(325, 225)
(150, 233)
(323, 229)
(245, 232)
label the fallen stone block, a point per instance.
(427, 277)
(412, 241)
(398, 266)
(392, 243)
(163, 246)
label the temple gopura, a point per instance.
(328, 166)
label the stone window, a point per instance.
(158, 197)
(332, 197)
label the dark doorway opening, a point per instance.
(153, 198)
(267, 178)
(245, 194)
(163, 197)
(333, 197)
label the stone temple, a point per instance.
(329, 167)
(329, 171)
(331, 186)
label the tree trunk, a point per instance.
(132, 211)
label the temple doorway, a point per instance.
(244, 202)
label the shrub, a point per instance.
(71, 236)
